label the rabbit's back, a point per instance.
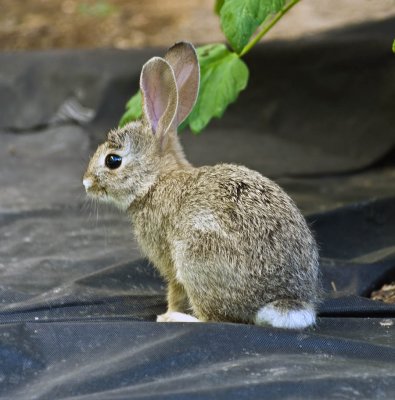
(235, 203)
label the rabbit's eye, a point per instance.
(113, 161)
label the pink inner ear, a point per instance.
(155, 96)
(159, 93)
(183, 75)
(184, 62)
(153, 107)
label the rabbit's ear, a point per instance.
(183, 59)
(160, 97)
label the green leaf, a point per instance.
(241, 18)
(222, 76)
(133, 110)
(218, 6)
(393, 47)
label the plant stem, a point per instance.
(266, 29)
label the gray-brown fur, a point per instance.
(227, 240)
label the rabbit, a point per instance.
(231, 244)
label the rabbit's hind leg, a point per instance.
(289, 314)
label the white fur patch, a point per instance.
(206, 221)
(293, 319)
(174, 316)
(179, 257)
(87, 182)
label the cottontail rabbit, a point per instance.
(230, 243)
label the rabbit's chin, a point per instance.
(104, 197)
(122, 204)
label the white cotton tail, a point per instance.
(280, 318)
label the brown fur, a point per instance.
(227, 240)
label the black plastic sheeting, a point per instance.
(77, 302)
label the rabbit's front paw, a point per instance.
(174, 316)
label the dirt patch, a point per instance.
(45, 24)
(41, 24)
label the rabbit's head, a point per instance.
(128, 163)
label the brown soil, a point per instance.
(43, 24)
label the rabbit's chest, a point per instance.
(153, 243)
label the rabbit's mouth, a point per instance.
(99, 193)
(93, 190)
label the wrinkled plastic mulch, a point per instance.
(77, 301)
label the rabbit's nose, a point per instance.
(87, 182)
